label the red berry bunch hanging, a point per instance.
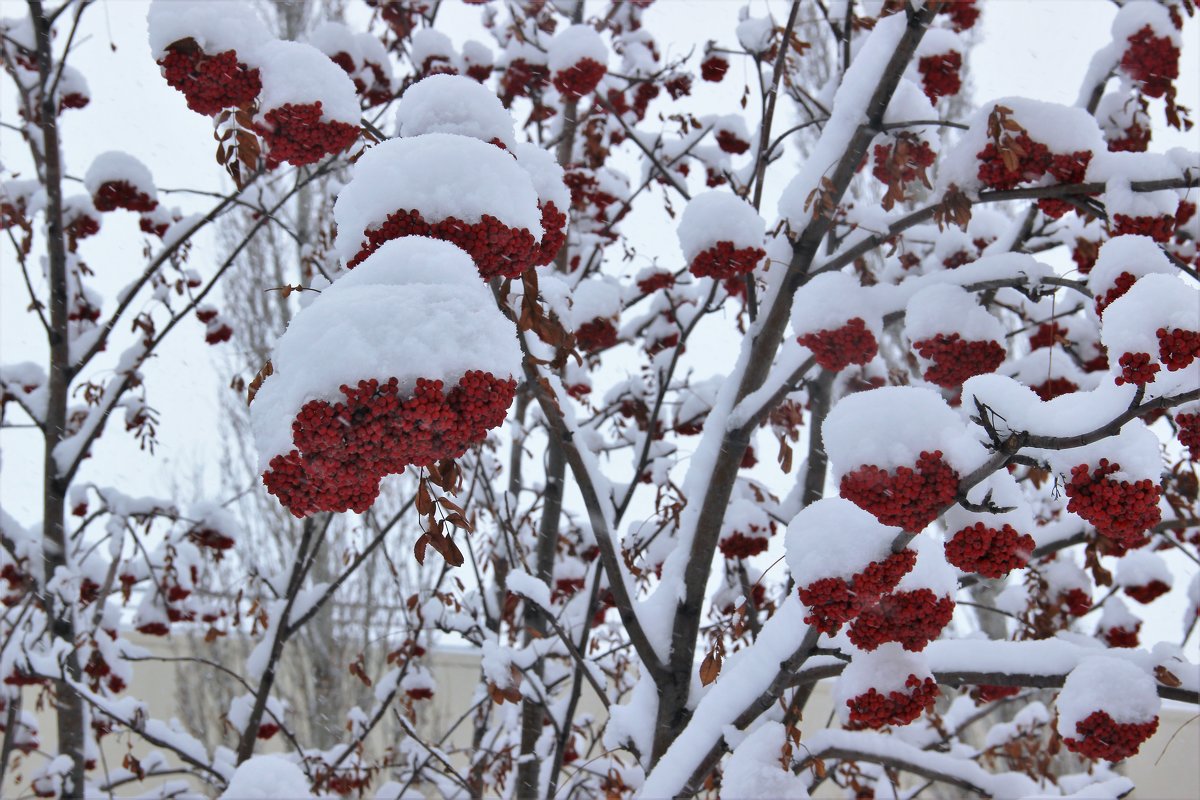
(554, 233)
(713, 68)
(836, 349)
(1189, 433)
(730, 142)
(1148, 592)
(210, 83)
(115, 194)
(908, 498)
(1160, 228)
(295, 134)
(833, 601)
(1152, 61)
(724, 260)
(596, 335)
(743, 544)
(987, 551)
(1099, 736)
(1123, 283)
(1027, 161)
(963, 14)
(655, 280)
(1121, 510)
(940, 74)
(521, 78)
(989, 693)
(1177, 347)
(956, 359)
(911, 618)
(1136, 368)
(875, 710)
(1122, 637)
(1069, 168)
(580, 79)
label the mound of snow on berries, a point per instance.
(1118, 687)
(833, 538)
(414, 309)
(714, 217)
(453, 104)
(300, 74)
(267, 777)
(215, 25)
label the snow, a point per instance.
(414, 308)
(1023, 722)
(829, 301)
(300, 74)
(891, 426)
(833, 538)
(1156, 301)
(946, 309)
(428, 43)
(931, 571)
(1123, 690)
(1137, 255)
(574, 44)
(1005, 493)
(524, 584)
(439, 174)
(1140, 567)
(754, 770)
(1137, 14)
(1063, 575)
(216, 25)
(267, 776)
(1115, 614)
(333, 38)
(116, 165)
(754, 33)
(598, 297)
(885, 670)
(1017, 408)
(546, 174)
(1135, 448)
(453, 104)
(938, 41)
(718, 216)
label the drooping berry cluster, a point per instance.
(554, 233)
(122, 194)
(962, 13)
(908, 498)
(1178, 347)
(1032, 161)
(1152, 61)
(940, 74)
(1066, 168)
(743, 544)
(1123, 283)
(724, 260)
(955, 359)
(579, 79)
(713, 69)
(989, 552)
(1160, 228)
(1122, 637)
(661, 279)
(210, 83)
(874, 710)
(1075, 601)
(833, 601)
(836, 349)
(1121, 510)
(990, 693)
(343, 449)
(521, 78)
(913, 619)
(295, 133)
(496, 249)
(730, 142)
(1189, 433)
(596, 335)
(1148, 592)
(1136, 368)
(1054, 387)
(1099, 736)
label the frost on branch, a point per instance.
(403, 361)
(721, 236)
(898, 452)
(1107, 708)
(884, 687)
(842, 561)
(449, 187)
(833, 316)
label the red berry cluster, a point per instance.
(295, 133)
(1184, 213)
(496, 249)
(596, 335)
(910, 499)
(661, 279)
(1148, 592)
(554, 233)
(122, 194)
(1100, 736)
(1134, 139)
(1136, 368)
(1123, 284)
(913, 619)
(566, 587)
(1048, 334)
(147, 225)
(1121, 510)
(916, 160)
(210, 83)
(723, 260)
(940, 74)
(1054, 387)
(838, 348)
(874, 710)
(208, 537)
(955, 359)
(1066, 168)
(730, 143)
(1189, 433)
(833, 601)
(1076, 601)
(521, 78)
(1122, 637)
(743, 544)
(989, 693)
(1160, 228)
(97, 669)
(344, 449)
(962, 13)
(1032, 163)
(713, 69)
(579, 79)
(1178, 347)
(989, 552)
(1152, 61)
(82, 226)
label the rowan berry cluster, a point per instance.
(1136, 368)
(1178, 347)
(713, 69)
(1069, 168)
(1123, 283)
(1152, 61)
(208, 537)
(496, 249)
(730, 142)
(1032, 161)
(743, 544)
(521, 78)
(1160, 228)
(1121, 510)
(833, 601)
(1054, 387)
(724, 260)
(874, 710)
(989, 693)
(1075, 601)
(209, 83)
(295, 133)
(955, 359)
(1148, 592)
(838, 348)
(940, 74)
(913, 619)
(1189, 433)
(907, 498)
(579, 79)
(661, 279)
(989, 552)
(1102, 737)
(1134, 139)
(122, 194)
(596, 335)
(1122, 637)
(554, 233)
(343, 449)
